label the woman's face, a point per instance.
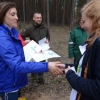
(86, 23)
(11, 18)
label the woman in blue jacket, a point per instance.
(86, 82)
(13, 68)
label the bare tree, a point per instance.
(24, 12)
(48, 20)
(72, 14)
(35, 5)
(44, 11)
(56, 12)
(63, 19)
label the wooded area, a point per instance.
(57, 12)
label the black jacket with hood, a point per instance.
(89, 87)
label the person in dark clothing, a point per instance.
(36, 32)
(86, 81)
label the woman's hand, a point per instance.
(55, 69)
(67, 69)
(62, 66)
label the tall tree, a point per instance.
(24, 13)
(67, 12)
(72, 14)
(63, 18)
(56, 11)
(35, 5)
(26, 7)
(48, 20)
(44, 11)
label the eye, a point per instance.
(13, 14)
(82, 21)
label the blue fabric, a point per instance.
(9, 96)
(13, 68)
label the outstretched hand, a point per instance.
(54, 69)
(67, 69)
(60, 65)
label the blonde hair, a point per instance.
(92, 11)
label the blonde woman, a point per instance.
(86, 81)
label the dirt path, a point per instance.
(55, 88)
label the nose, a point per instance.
(16, 17)
(40, 18)
(82, 26)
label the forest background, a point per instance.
(60, 16)
(56, 12)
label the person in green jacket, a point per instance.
(77, 37)
(36, 32)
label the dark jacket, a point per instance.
(13, 68)
(36, 32)
(77, 37)
(89, 87)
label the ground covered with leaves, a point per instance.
(54, 88)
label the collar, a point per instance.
(37, 25)
(13, 32)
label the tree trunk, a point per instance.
(44, 11)
(48, 20)
(35, 5)
(63, 19)
(72, 14)
(56, 11)
(24, 13)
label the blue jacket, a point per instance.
(89, 87)
(13, 68)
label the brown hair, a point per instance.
(92, 11)
(4, 7)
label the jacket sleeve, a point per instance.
(88, 86)
(14, 61)
(48, 35)
(71, 45)
(71, 65)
